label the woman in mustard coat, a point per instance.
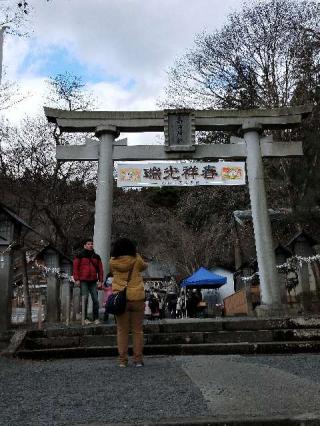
(125, 264)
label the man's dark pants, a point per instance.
(86, 288)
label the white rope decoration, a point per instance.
(293, 263)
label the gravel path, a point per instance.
(86, 390)
(96, 390)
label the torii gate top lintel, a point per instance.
(153, 121)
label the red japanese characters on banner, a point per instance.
(180, 173)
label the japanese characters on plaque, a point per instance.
(185, 173)
(179, 129)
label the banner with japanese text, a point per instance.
(180, 173)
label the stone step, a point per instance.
(187, 326)
(150, 339)
(192, 338)
(256, 348)
(296, 334)
(181, 336)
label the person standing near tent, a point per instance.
(147, 310)
(179, 307)
(154, 305)
(196, 298)
(191, 303)
(199, 294)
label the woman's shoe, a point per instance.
(123, 364)
(139, 364)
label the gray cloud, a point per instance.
(132, 40)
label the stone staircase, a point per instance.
(179, 337)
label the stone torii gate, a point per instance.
(179, 127)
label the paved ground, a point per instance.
(95, 391)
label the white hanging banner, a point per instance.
(180, 174)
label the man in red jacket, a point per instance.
(88, 274)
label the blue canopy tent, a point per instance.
(203, 278)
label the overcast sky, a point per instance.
(122, 49)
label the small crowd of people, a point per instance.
(171, 305)
(167, 305)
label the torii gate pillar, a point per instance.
(269, 287)
(104, 194)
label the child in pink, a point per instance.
(107, 291)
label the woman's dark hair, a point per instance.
(124, 247)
